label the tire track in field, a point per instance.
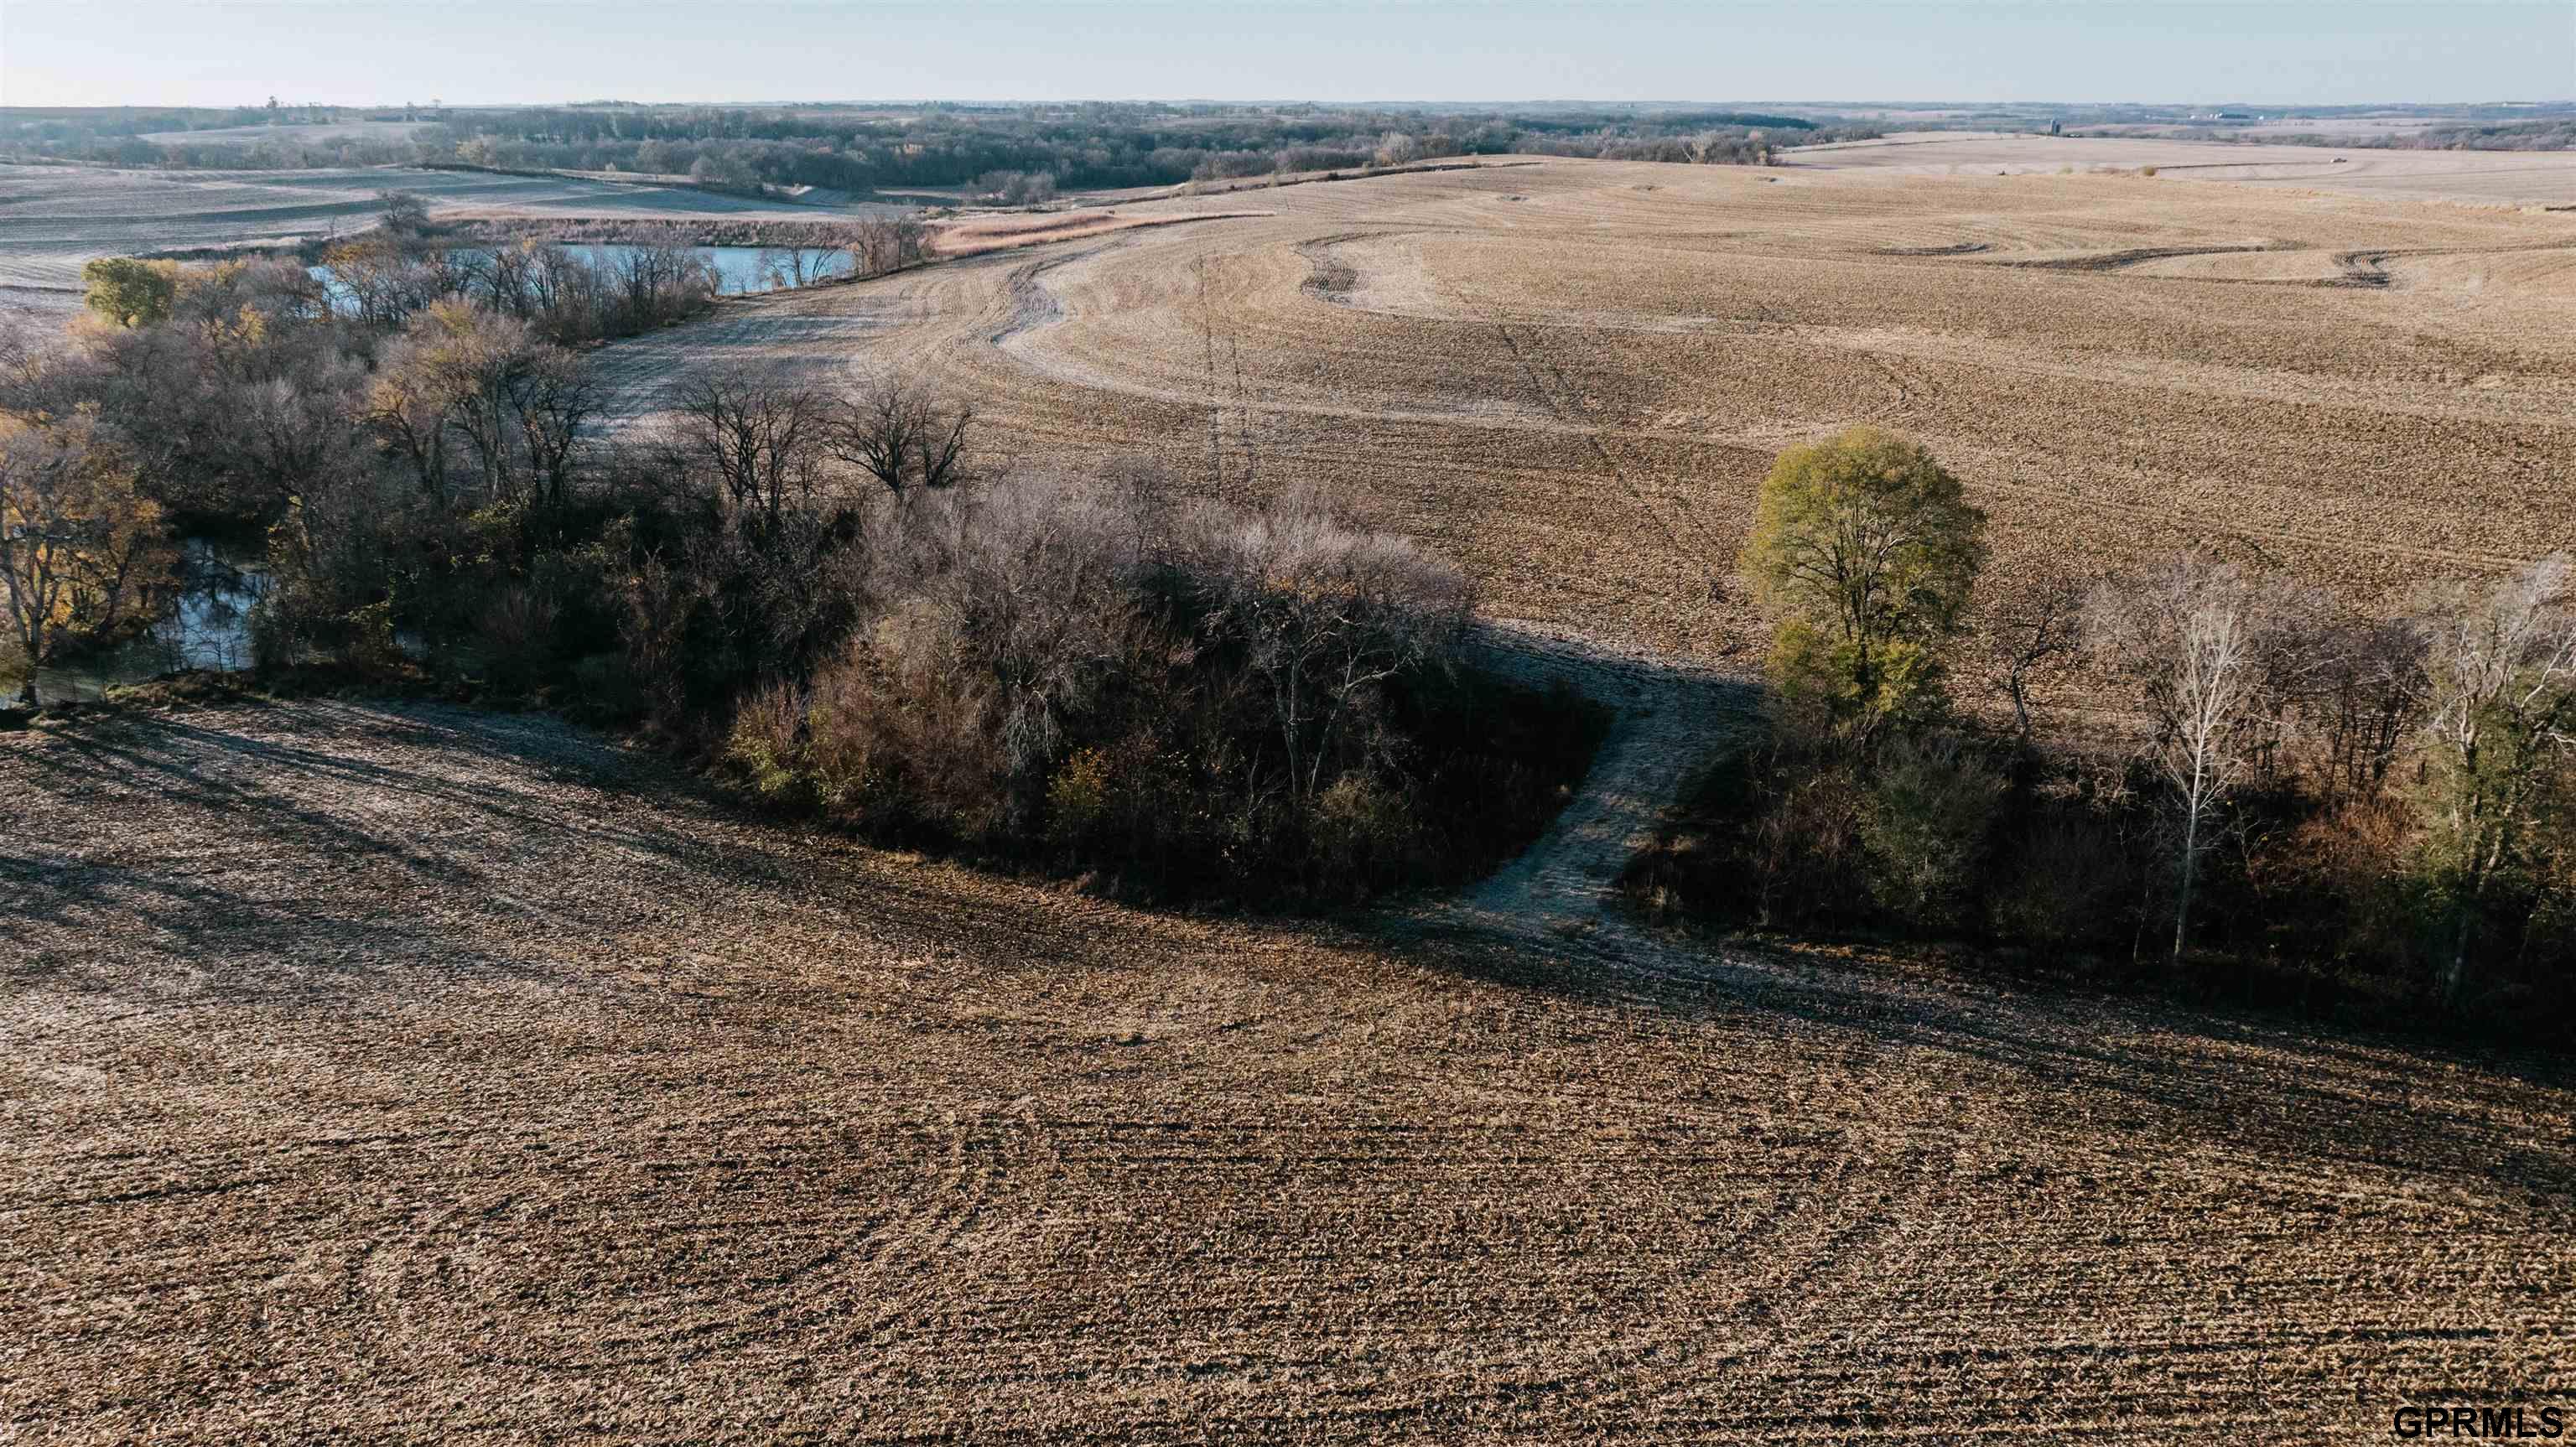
(894, 1150)
(1548, 382)
(1565, 415)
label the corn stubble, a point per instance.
(410, 1073)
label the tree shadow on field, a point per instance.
(302, 848)
(2267, 1090)
(73, 918)
(322, 855)
(2273, 1088)
(274, 790)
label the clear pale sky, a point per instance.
(474, 52)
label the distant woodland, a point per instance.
(844, 148)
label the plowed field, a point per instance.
(405, 1073)
(410, 1074)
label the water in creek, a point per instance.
(205, 625)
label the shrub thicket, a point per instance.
(1199, 701)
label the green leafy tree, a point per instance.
(131, 292)
(1866, 552)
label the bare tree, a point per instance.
(2503, 669)
(2364, 697)
(379, 282)
(2032, 629)
(567, 296)
(1327, 616)
(792, 266)
(404, 213)
(761, 443)
(660, 278)
(554, 399)
(407, 411)
(902, 435)
(296, 433)
(460, 371)
(2204, 641)
(882, 244)
(1034, 588)
(506, 281)
(26, 360)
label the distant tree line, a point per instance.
(2557, 133)
(2553, 135)
(1087, 147)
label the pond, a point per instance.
(743, 272)
(207, 625)
(740, 269)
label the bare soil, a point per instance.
(410, 1073)
(2487, 178)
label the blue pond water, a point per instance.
(741, 267)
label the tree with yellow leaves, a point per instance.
(82, 553)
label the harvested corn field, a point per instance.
(1571, 375)
(378, 1071)
(2469, 177)
(411, 1073)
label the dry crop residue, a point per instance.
(1570, 376)
(381, 1072)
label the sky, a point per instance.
(479, 52)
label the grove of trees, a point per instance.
(2292, 798)
(818, 593)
